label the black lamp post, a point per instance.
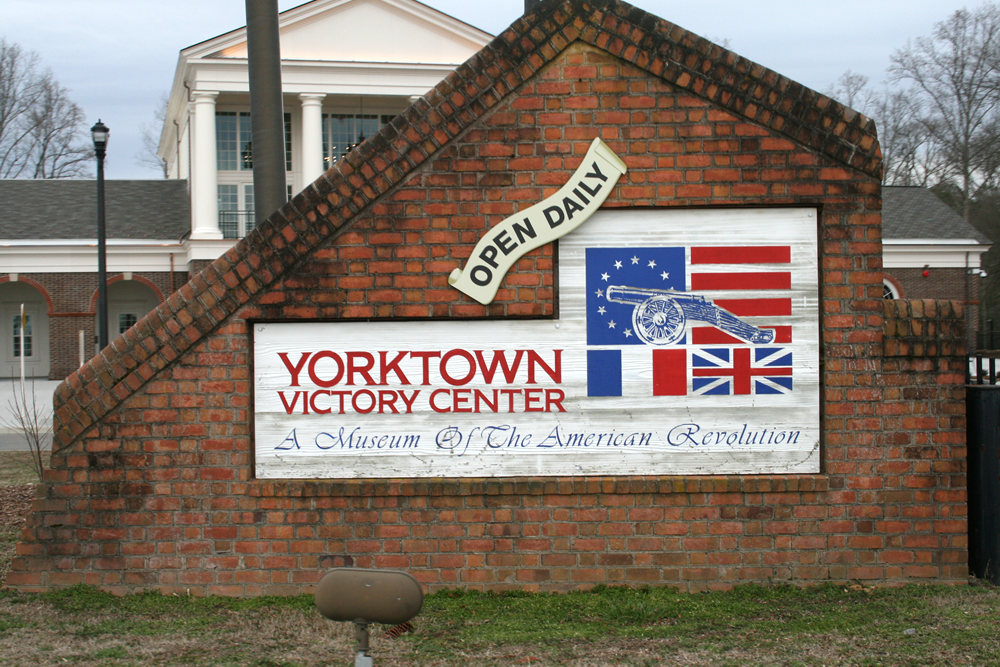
(100, 134)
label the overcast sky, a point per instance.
(117, 57)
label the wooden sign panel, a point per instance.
(687, 343)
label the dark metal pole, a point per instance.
(266, 111)
(529, 5)
(983, 480)
(102, 260)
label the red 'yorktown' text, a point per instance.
(456, 368)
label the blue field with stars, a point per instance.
(610, 323)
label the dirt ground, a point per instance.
(15, 502)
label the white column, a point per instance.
(312, 136)
(205, 176)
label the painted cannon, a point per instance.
(659, 316)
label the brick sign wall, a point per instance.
(151, 484)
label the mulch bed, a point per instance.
(15, 503)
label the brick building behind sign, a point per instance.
(930, 252)
(151, 484)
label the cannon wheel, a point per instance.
(659, 321)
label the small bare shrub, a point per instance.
(33, 421)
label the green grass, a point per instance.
(748, 620)
(16, 468)
(750, 625)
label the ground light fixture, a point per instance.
(362, 597)
(100, 133)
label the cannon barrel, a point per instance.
(637, 295)
(732, 324)
(660, 315)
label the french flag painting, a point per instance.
(712, 320)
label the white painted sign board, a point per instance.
(687, 342)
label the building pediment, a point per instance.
(400, 31)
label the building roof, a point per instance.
(917, 213)
(67, 209)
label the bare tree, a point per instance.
(33, 421)
(149, 155)
(955, 76)
(41, 129)
(55, 126)
(908, 150)
(852, 90)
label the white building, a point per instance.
(347, 68)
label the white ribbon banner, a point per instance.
(544, 222)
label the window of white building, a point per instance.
(236, 209)
(234, 141)
(234, 151)
(342, 132)
(28, 354)
(126, 321)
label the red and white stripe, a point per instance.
(718, 269)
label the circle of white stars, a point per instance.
(606, 277)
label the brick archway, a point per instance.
(38, 286)
(120, 277)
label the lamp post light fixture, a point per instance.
(100, 134)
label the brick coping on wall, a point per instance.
(923, 328)
(658, 47)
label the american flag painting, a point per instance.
(681, 300)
